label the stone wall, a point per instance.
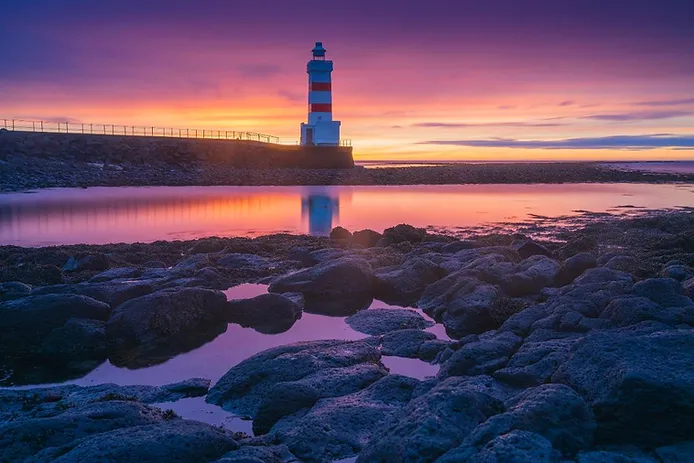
(146, 151)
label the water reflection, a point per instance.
(107, 215)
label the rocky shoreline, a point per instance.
(571, 349)
(20, 172)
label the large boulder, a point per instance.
(267, 313)
(340, 234)
(482, 356)
(22, 438)
(532, 274)
(243, 264)
(515, 447)
(553, 411)
(463, 304)
(664, 291)
(340, 427)
(574, 266)
(404, 233)
(404, 284)
(116, 273)
(296, 376)
(412, 343)
(535, 362)
(432, 424)
(13, 290)
(381, 321)
(366, 238)
(639, 381)
(166, 317)
(97, 262)
(172, 441)
(528, 248)
(626, 311)
(27, 323)
(113, 293)
(344, 277)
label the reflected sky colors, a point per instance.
(443, 79)
(145, 214)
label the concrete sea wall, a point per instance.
(119, 150)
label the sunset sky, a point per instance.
(437, 79)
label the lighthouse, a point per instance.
(321, 129)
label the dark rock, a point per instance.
(627, 311)
(171, 441)
(343, 277)
(366, 238)
(267, 313)
(340, 234)
(116, 273)
(191, 264)
(97, 262)
(340, 427)
(463, 304)
(576, 246)
(113, 293)
(533, 274)
(404, 233)
(404, 284)
(258, 454)
(529, 248)
(457, 246)
(211, 278)
(243, 263)
(246, 387)
(28, 322)
(164, 317)
(431, 424)
(13, 290)
(640, 383)
(574, 267)
(553, 411)
(22, 438)
(78, 337)
(688, 287)
(516, 447)
(623, 263)
(521, 322)
(678, 272)
(535, 362)
(32, 274)
(382, 321)
(602, 456)
(677, 453)
(664, 291)
(406, 343)
(481, 357)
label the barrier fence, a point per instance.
(21, 125)
(132, 130)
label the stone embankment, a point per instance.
(39, 160)
(577, 350)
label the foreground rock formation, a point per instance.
(573, 350)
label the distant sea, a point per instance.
(679, 167)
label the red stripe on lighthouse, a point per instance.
(321, 108)
(321, 86)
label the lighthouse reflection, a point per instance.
(320, 210)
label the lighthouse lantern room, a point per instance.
(321, 129)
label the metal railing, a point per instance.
(132, 130)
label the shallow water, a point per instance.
(145, 214)
(214, 359)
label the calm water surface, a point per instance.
(145, 214)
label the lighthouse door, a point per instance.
(309, 135)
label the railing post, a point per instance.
(67, 127)
(13, 125)
(58, 127)
(82, 128)
(33, 126)
(203, 133)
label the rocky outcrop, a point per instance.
(171, 319)
(284, 380)
(404, 284)
(382, 321)
(267, 313)
(432, 424)
(638, 380)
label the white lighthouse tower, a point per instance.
(321, 129)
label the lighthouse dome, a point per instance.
(318, 50)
